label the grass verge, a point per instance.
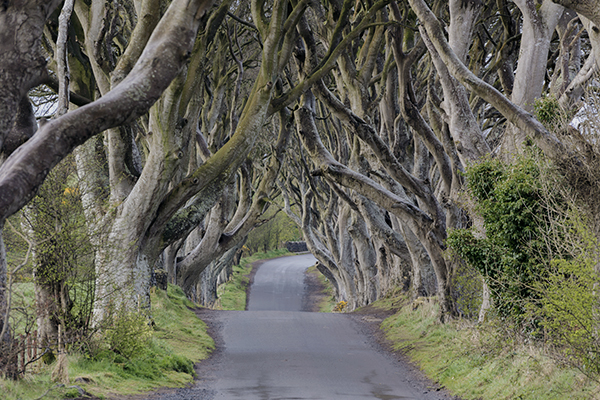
(232, 294)
(178, 340)
(476, 362)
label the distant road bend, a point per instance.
(276, 351)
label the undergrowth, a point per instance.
(481, 361)
(177, 340)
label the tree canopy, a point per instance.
(358, 119)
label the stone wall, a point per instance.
(296, 247)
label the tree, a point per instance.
(450, 123)
(24, 67)
(63, 269)
(388, 101)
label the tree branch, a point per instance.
(167, 50)
(62, 64)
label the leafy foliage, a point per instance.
(569, 304)
(50, 241)
(63, 250)
(280, 228)
(511, 254)
(550, 113)
(539, 257)
(127, 333)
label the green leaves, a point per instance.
(508, 197)
(127, 333)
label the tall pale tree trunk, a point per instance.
(366, 280)
(539, 23)
(347, 255)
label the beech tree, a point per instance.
(388, 102)
(410, 90)
(29, 157)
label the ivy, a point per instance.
(508, 197)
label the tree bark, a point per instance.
(4, 324)
(168, 48)
(21, 60)
(588, 8)
(516, 115)
(428, 230)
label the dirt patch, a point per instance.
(315, 292)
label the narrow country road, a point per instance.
(276, 351)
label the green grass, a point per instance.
(232, 294)
(476, 362)
(23, 306)
(179, 340)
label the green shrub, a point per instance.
(127, 333)
(570, 306)
(510, 256)
(550, 113)
(538, 256)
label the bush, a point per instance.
(511, 255)
(539, 257)
(127, 333)
(340, 306)
(570, 306)
(551, 114)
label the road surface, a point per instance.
(276, 351)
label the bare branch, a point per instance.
(61, 58)
(167, 50)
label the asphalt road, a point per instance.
(276, 351)
(279, 284)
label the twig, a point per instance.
(12, 277)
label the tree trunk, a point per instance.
(4, 323)
(366, 264)
(208, 283)
(539, 24)
(485, 302)
(588, 8)
(47, 313)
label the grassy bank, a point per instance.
(174, 344)
(477, 362)
(232, 294)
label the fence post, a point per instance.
(29, 348)
(21, 350)
(35, 344)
